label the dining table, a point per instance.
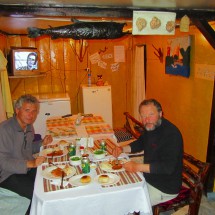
(125, 193)
(70, 127)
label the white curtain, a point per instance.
(138, 80)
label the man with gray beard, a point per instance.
(162, 144)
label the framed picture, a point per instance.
(177, 60)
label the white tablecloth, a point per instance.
(91, 199)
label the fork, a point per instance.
(62, 177)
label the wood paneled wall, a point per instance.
(65, 73)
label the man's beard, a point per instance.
(155, 125)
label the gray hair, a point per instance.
(151, 101)
(26, 99)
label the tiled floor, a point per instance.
(207, 206)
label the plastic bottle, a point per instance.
(89, 79)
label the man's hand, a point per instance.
(132, 166)
(47, 139)
(36, 162)
(117, 151)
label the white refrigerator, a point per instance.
(57, 104)
(98, 100)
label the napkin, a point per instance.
(57, 182)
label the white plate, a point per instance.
(50, 150)
(113, 179)
(108, 168)
(46, 173)
(75, 180)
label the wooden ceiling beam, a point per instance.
(99, 12)
(205, 28)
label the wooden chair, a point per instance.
(133, 125)
(132, 129)
(194, 176)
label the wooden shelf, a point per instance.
(27, 76)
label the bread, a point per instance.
(103, 179)
(85, 179)
(63, 142)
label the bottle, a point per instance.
(89, 79)
(78, 119)
(103, 146)
(72, 150)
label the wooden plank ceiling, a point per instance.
(17, 15)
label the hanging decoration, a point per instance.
(185, 24)
(153, 23)
(159, 53)
(81, 30)
(79, 48)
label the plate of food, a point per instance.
(107, 179)
(112, 166)
(80, 180)
(54, 152)
(55, 172)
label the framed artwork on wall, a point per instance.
(177, 61)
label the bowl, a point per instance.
(75, 160)
(99, 154)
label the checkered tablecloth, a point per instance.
(92, 119)
(59, 126)
(99, 129)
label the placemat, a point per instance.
(125, 179)
(60, 127)
(92, 119)
(109, 145)
(99, 129)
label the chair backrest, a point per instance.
(133, 125)
(194, 176)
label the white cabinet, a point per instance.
(98, 100)
(51, 105)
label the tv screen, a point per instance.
(24, 61)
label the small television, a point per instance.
(24, 61)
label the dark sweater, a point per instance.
(163, 150)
